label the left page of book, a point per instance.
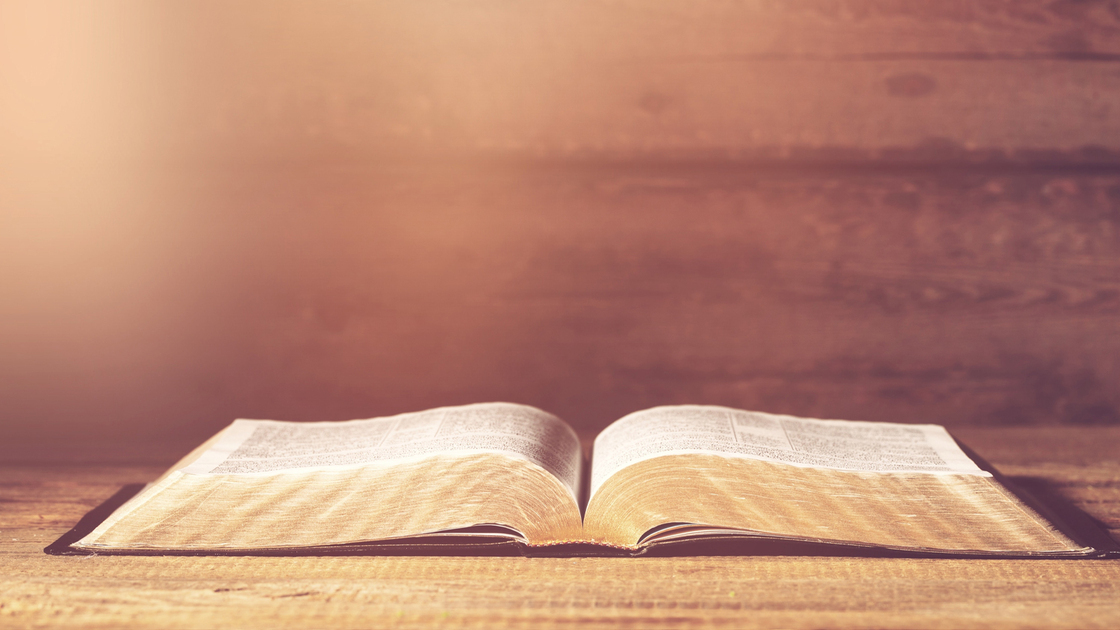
(270, 484)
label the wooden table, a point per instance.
(40, 500)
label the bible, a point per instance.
(509, 477)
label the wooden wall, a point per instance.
(872, 210)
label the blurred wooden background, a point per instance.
(881, 210)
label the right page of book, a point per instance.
(884, 484)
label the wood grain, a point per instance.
(861, 209)
(334, 291)
(998, 78)
(40, 502)
(725, 78)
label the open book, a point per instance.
(513, 475)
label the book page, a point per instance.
(253, 447)
(808, 442)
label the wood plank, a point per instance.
(758, 78)
(334, 291)
(857, 80)
(1035, 446)
(595, 593)
(41, 501)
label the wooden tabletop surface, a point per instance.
(39, 501)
